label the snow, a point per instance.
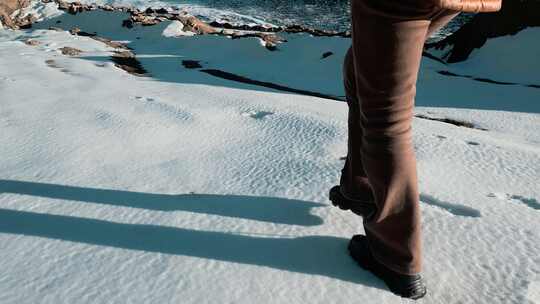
(182, 187)
(516, 58)
(175, 29)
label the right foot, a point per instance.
(407, 286)
(364, 209)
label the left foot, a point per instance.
(364, 209)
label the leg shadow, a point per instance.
(316, 255)
(266, 209)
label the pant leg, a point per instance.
(387, 48)
(354, 183)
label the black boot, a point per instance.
(364, 209)
(407, 286)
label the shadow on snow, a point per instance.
(316, 255)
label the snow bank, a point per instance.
(181, 187)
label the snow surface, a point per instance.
(185, 188)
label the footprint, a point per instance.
(257, 114)
(455, 209)
(529, 202)
(53, 64)
(7, 79)
(163, 109)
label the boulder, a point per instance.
(7, 8)
(70, 51)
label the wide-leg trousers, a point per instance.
(380, 74)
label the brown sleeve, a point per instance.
(471, 6)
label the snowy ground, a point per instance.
(186, 188)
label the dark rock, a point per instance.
(127, 61)
(109, 42)
(107, 8)
(70, 51)
(77, 31)
(127, 23)
(191, 64)
(326, 55)
(31, 42)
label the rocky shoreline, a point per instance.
(10, 14)
(149, 17)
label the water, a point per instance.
(320, 14)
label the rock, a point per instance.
(191, 64)
(270, 41)
(31, 42)
(144, 19)
(109, 42)
(8, 8)
(127, 61)
(513, 17)
(69, 51)
(326, 55)
(75, 8)
(195, 25)
(107, 8)
(25, 22)
(127, 23)
(75, 31)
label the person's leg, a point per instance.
(387, 48)
(354, 183)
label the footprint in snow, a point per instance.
(53, 64)
(257, 114)
(7, 79)
(167, 110)
(529, 202)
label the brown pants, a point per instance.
(380, 73)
